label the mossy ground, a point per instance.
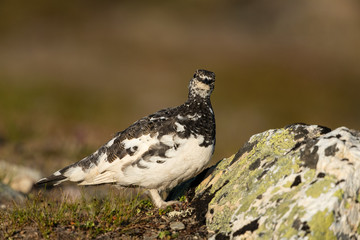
(114, 216)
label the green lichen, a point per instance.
(320, 225)
(288, 184)
(320, 186)
(286, 229)
(221, 217)
(253, 212)
(287, 206)
(347, 204)
(339, 194)
(309, 174)
(275, 190)
(224, 163)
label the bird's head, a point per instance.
(202, 84)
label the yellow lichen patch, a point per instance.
(339, 194)
(320, 186)
(320, 226)
(286, 229)
(219, 218)
(288, 184)
(275, 190)
(309, 174)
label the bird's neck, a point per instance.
(198, 102)
(198, 98)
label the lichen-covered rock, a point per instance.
(299, 182)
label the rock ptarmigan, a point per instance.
(156, 152)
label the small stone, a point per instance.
(19, 178)
(177, 226)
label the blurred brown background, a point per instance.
(72, 73)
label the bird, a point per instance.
(155, 153)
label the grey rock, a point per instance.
(176, 226)
(7, 194)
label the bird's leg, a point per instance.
(158, 201)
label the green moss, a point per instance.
(320, 225)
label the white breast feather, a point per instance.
(183, 163)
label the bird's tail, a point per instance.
(52, 180)
(73, 173)
(56, 178)
(84, 172)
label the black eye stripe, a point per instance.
(207, 81)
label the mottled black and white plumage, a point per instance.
(156, 152)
